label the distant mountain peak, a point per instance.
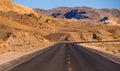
(85, 14)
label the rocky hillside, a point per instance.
(18, 27)
(84, 14)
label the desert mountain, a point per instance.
(84, 14)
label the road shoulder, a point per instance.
(113, 57)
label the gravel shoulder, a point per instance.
(101, 51)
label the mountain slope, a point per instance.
(114, 12)
(85, 14)
(7, 5)
(17, 25)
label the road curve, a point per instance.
(68, 57)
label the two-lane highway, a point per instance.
(68, 57)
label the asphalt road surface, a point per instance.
(68, 57)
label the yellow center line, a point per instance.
(69, 62)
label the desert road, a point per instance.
(68, 57)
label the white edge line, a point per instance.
(103, 55)
(28, 58)
(107, 57)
